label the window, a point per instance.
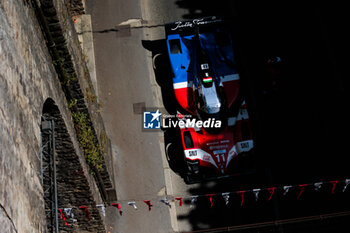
(188, 139)
(175, 46)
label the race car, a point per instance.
(205, 81)
(208, 155)
(206, 85)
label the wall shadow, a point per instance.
(163, 76)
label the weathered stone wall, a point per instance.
(76, 7)
(6, 225)
(60, 23)
(27, 79)
(72, 185)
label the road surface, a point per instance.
(126, 82)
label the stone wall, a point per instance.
(74, 75)
(76, 7)
(27, 79)
(72, 185)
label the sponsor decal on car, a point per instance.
(191, 24)
(207, 80)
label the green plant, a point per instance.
(90, 97)
(104, 142)
(72, 103)
(58, 61)
(88, 140)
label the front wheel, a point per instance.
(192, 179)
(156, 61)
(160, 69)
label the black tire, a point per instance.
(191, 179)
(167, 150)
(156, 60)
(175, 161)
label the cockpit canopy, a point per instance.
(208, 99)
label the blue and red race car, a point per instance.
(207, 87)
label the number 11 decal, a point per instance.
(222, 157)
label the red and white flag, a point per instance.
(210, 196)
(149, 204)
(180, 200)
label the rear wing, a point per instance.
(188, 27)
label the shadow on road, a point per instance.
(202, 8)
(162, 72)
(252, 211)
(300, 114)
(163, 76)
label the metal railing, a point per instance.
(48, 174)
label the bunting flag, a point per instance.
(286, 189)
(149, 204)
(210, 196)
(301, 189)
(256, 194)
(226, 197)
(166, 202)
(69, 213)
(86, 211)
(133, 204)
(119, 207)
(63, 217)
(102, 209)
(318, 185)
(193, 200)
(180, 200)
(271, 192)
(241, 193)
(334, 183)
(347, 182)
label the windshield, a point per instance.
(208, 99)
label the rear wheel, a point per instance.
(174, 152)
(168, 149)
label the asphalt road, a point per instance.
(126, 81)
